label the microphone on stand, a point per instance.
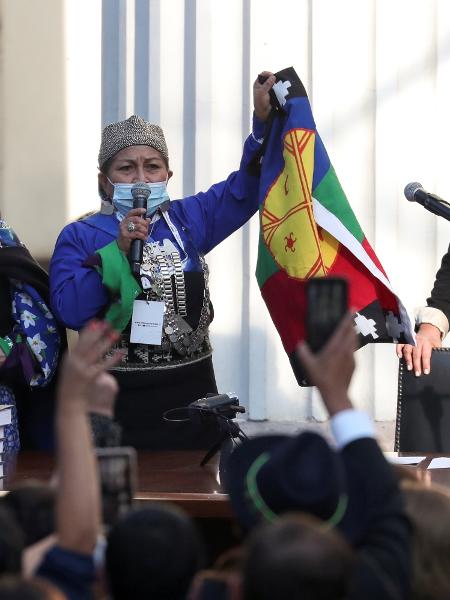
(140, 192)
(414, 192)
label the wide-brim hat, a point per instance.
(267, 476)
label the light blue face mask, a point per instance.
(123, 199)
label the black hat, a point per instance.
(270, 475)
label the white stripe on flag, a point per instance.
(328, 221)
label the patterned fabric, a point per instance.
(8, 237)
(135, 131)
(35, 340)
(36, 326)
(11, 442)
(308, 229)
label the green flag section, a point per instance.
(308, 229)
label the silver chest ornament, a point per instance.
(177, 335)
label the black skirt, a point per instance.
(145, 396)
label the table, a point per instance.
(176, 476)
(171, 476)
(438, 476)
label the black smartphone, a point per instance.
(326, 304)
(118, 475)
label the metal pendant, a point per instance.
(182, 325)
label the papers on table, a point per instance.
(393, 458)
(440, 463)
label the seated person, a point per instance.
(432, 323)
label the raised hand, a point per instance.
(331, 369)
(84, 365)
(261, 98)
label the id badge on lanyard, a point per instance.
(147, 322)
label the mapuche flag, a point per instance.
(308, 229)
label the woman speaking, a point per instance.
(163, 311)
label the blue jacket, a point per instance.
(202, 221)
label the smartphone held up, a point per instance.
(118, 475)
(326, 305)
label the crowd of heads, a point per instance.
(314, 522)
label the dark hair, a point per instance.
(11, 542)
(429, 511)
(153, 553)
(33, 505)
(295, 558)
(16, 588)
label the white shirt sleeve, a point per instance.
(349, 425)
(433, 316)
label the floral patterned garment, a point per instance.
(11, 442)
(36, 326)
(34, 341)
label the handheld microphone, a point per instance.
(140, 192)
(414, 192)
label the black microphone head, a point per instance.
(140, 190)
(411, 189)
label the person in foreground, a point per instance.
(428, 506)
(151, 552)
(351, 489)
(432, 323)
(90, 274)
(70, 565)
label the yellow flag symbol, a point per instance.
(298, 245)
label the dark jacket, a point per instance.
(440, 294)
(384, 558)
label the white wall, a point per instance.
(33, 120)
(378, 75)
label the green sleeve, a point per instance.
(119, 280)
